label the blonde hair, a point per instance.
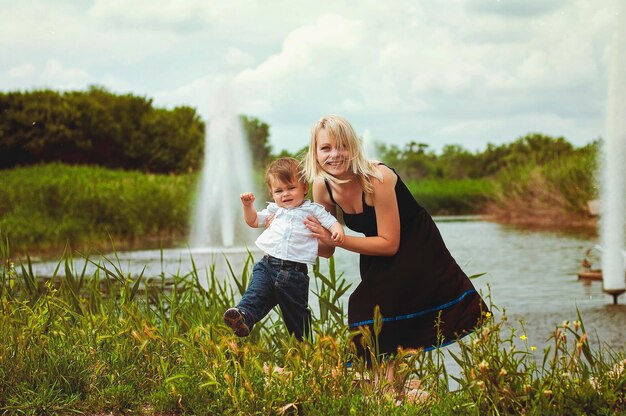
(342, 131)
(286, 170)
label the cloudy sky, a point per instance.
(465, 72)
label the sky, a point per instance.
(464, 72)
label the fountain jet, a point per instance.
(613, 198)
(226, 173)
(369, 147)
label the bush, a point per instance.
(100, 128)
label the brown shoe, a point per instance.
(234, 319)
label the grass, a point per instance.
(114, 342)
(44, 207)
(452, 196)
(47, 206)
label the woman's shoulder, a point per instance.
(319, 188)
(388, 174)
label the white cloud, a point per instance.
(21, 72)
(238, 59)
(151, 15)
(54, 73)
(437, 70)
(308, 54)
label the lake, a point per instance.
(532, 274)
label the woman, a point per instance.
(425, 299)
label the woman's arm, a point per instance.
(387, 242)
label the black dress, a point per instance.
(425, 299)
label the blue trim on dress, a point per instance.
(416, 314)
(349, 364)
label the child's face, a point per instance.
(288, 195)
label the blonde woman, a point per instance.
(425, 299)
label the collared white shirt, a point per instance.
(287, 238)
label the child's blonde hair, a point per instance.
(342, 131)
(286, 170)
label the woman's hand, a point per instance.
(322, 234)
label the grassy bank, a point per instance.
(123, 344)
(452, 197)
(47, 206)
(553, 194)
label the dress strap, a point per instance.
(330, 193)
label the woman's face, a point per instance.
(330, 158)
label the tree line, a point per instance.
(97, 127)
(415, 161)
(126, 131)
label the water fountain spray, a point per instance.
(226, 173)
(369, 147)
(613, 200)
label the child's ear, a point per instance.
(306, 188)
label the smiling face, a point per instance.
(332, 158)
(288, 195)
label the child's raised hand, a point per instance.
(247, 199)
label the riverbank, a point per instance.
(541, 218)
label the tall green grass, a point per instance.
(50, 205)
(452, 196)
(119, 343)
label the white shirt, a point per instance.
(287, 238)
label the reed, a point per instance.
(121, 343)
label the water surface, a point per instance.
(532, 274)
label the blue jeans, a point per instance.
(277, 282)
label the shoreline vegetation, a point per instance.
(49, 206)
(116, 343)
(85, 168)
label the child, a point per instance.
(280, 277)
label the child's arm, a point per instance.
(337, 232)
(249, 214)
(328, 221)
